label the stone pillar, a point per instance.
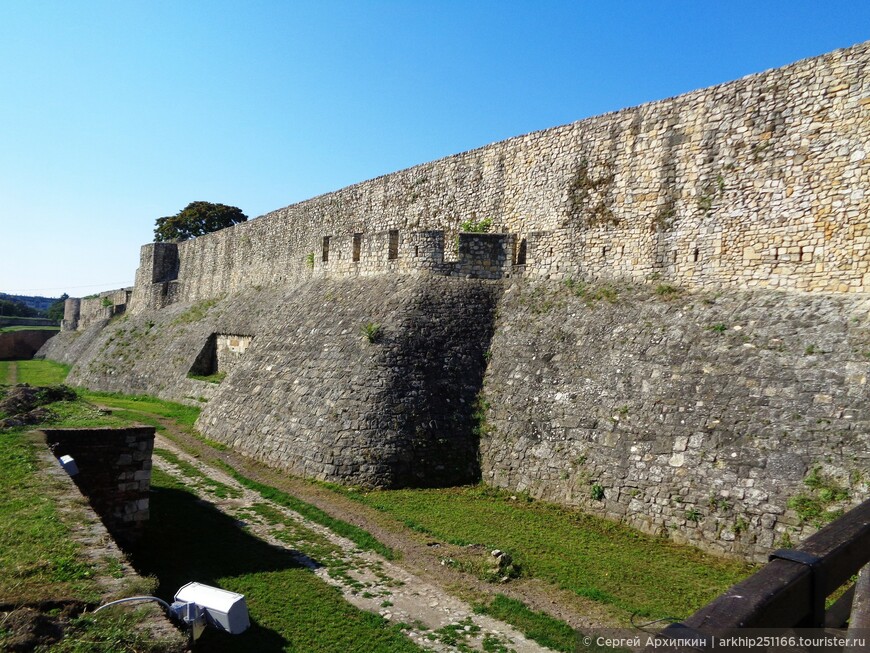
(114, 473)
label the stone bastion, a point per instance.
(667, 323)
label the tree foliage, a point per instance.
(197, 219)
(55, 311)
(13, 308)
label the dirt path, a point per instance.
(435, 595)
(436, 619)
(420, 555)
(12, 373)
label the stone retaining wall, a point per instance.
(695, 415)
(22, 345)
(698, 416)
(114, 473)
(759, 182)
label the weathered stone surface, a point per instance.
(311, 394)
(682, 412)
(22, 345)
(701, 404)
(759, 182)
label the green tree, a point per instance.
(197, 219)
(55, 311)
(13, 308)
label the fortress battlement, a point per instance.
(363, 338)
(757, 183)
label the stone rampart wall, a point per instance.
(693, 415)
(697, 415)
(757, 182)
(370, 381)
(81, 313)
(22, 345)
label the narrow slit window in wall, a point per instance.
(674, 256)
(393, 250)
(416, 251)
(325, 257)
(357, 247)
(521, 252)
(696, 254)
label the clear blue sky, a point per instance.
(115, 113)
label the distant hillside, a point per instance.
(39, 304)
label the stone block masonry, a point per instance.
(761, 182)
(114, 473)
(22, 345)
(666, 326)
(699, 416)
(80, 313)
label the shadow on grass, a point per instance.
(188, 540)
(291, 608)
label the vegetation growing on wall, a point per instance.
(372, 332)
(818, 505)
(476, 226)
(196, 312)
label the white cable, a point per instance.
(134, 598)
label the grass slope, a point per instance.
(593, 557)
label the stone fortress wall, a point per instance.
(695, 413)
(80, 313)
(759, 182)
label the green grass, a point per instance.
(358, 536)
(216, 377)
(592, 557)
(818, 505)
(6, 371)
(537, 626)
(37, 372)
(28, 328)
(592, 292)
(291, 608)
(81, 414)
(196, 312)
(220, 490)
(180, 413)
(114, 630)
(37, 556)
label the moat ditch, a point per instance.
(439, 579)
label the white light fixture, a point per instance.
(69, 465)
(197, 606)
